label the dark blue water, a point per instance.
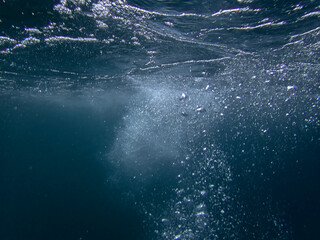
(159, 119)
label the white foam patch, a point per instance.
(157, 124)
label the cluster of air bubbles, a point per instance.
(67, 7)
(201, 205)
(181, 114)
(101, 9)
(198, 210)
(205, 202)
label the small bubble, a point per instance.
(180, 191)
(177, 236)
(183, 96)
(200, 214)
(168, 24)
(201, 205)
(200, 109)
(291, 87)
(164, 220)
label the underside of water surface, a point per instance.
(162, 119)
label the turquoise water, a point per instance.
(159, 119)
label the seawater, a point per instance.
(159, 119)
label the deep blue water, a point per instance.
(135, 119)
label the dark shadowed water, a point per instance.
(163, 119)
